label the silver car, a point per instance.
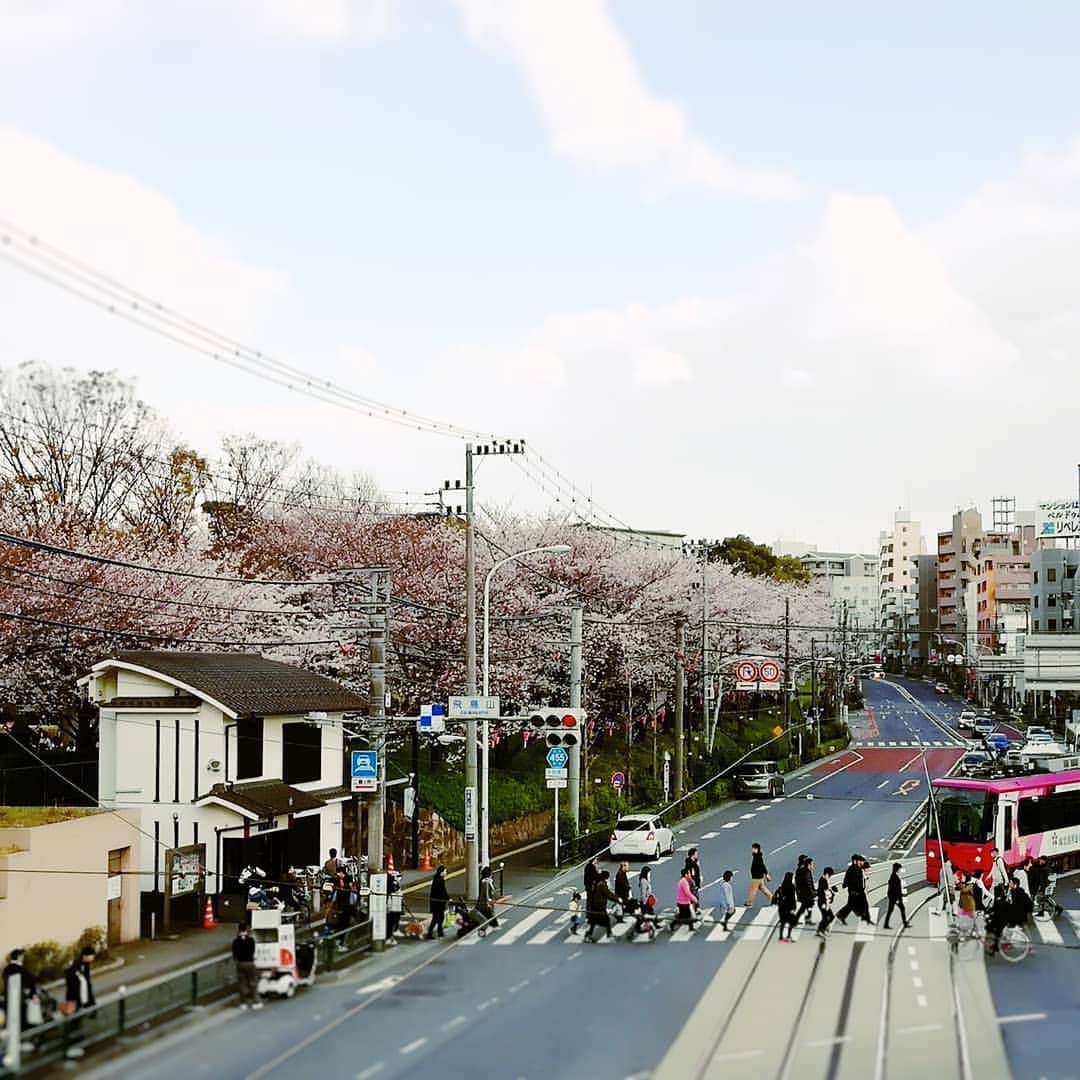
(759, 778)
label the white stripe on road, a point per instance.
(415, 1045)
(1021, 1018)
(718, 933)
(884, 783)
(746, 817)
(856, 806)
(1048, 932)
(939, 925)
(709, 835)
(684, 933)
(762, 922)
(370, 1071)
(523, 926)
(487, 1004)
(826, 824)
(560, 925)
(782, 846)
(456, 1022)
(730, 825)
(867, 930)
(920, 1000)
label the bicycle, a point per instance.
(1046, 906)
(965, 937)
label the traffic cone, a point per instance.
(390, 863)
(425, 863)
(208, 921)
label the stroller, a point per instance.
(645, 918)
(468, 919)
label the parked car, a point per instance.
(641, 836)
(759, 778)
(967, 718)
(940, 688)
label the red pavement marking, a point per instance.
(887, 761)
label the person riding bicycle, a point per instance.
(1013, 910)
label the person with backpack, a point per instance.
(787, 901)
(485, 902)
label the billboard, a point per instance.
(1060, 517)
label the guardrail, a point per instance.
(162, 999)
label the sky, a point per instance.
(774, 269)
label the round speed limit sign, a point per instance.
(770, 671)
(746, 671)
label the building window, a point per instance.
(1036, 626)
(1051, 624)
(301, 753)
(1051, 573)
(1036, 599)
(249, 748)
(1036, 577)
(1070, 573)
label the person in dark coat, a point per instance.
(826, 890)
(485, 902)
(896, 896)
(759, 875)
(855, 883)
(597, 907)
(78, 984)
(437, 901)
(804, 889)
(622, 888)
(592, 875)
(693, 864)
(787, 901)
(247, 977)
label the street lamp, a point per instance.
(485, 747)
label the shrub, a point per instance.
(46, 960)
(93, 937)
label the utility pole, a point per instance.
(843, 666)
(377, 712)
(787, 663)
(705, 685)
(813, 689)
(680, 679)
(573, 776)
(472, 853)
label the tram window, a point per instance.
(1060, 811)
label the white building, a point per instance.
(898, 586)
(847, 577)
(226, 750)
(795, 549)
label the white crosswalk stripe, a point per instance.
(1048, 932)
(557, 926)
(718, 933)
(867, 930)
(521, 927)
(761, 924)
(684, 933)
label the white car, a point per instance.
(641, 836)
(967, 718)
(1038, 734)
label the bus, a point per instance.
(1034, 813)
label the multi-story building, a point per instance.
(795, 549)
(898, 584)
(847, 577)
(957, 566)
(1053, 588)
(928, 613)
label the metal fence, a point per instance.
(162, 999)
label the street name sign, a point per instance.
(555, 774)
(474, 708)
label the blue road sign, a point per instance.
(557, 758)
(365, 770)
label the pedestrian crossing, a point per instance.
(754, 925)
(899, 743)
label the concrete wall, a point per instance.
(41, 906)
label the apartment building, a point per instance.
(847, 577)
(898, 585)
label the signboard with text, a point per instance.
(1060, 517)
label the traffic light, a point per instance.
(558, 727)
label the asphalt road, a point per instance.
(531, 1001)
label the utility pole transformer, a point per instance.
(574, 771)
(680, 686)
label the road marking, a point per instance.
(1021, 1018)
(660, 862)
(762, 922)
(574, 955)
(916, 982)
(730, 825)
(487, 1004)
(903, 767)
(456, 1022)
(914, 965)
(620, 929)
(518, 986)
(826, 824)
(746, 817)
(920, 1000)
(832, 1041)
(782, 846)
(684, 847)
(414, 1045)
(523, 926)
(919, 1029)
(371, 1070)
(739, 1055)
(544, 971)
(828, 776)
(684, 933)
(856, 806)
(709, 835)
(867, 930)
(884, 783)
(382, 984)
(546, 900)
(718, 933)
(1048, 932)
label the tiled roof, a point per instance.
(173, 701)
(265, 798)
(249, 684)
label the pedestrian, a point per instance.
(247, 978)
(864, 903)
(685, 900)
(693, 864)
(980, 895)
(946, 883)
(596, 905)
(592, 875)
(787, 901)
(78, 994)
(1021, 875)
(804, 889)
(575, 912)
(622, 889)
(759, 875)
(1036, 871)
(332, 865)
(644, 886)
(965, 900)
(895, 894)
(727, 898)
(485, 902)
(826, 890)
(999, 874)
(855, 884)
(27, 988)
(438, 898)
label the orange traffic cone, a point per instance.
(390, 863)
(208, 920)
(425, 863)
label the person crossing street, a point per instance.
(895, 895)
(759, 876)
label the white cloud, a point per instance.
(658, 367)
(358, 363)
(595, 106)
(318, 20)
